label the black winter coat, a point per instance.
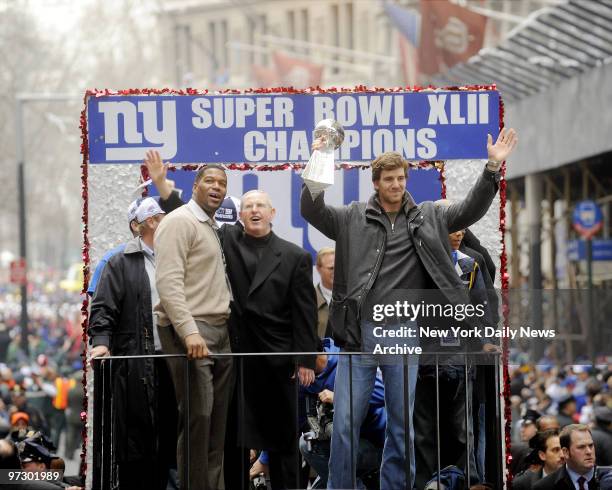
(560, 480)
(275, 312)
(122, 319)
(361, 240)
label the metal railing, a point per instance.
(104, 475)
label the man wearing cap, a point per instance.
(567, 410)
(19, 420)
(34, 457)
(131, 217)
(9, 461)
(521, 450)
(122, 323)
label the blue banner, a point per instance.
(277, 128)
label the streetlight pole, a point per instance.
(21, 202)
(20, 102)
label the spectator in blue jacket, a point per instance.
(316, 450)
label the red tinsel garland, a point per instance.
(279, 90)
(85, 306)
(284, 166)
(442, 179)
(268, 168)
(505, 281)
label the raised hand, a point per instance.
(157, 171)
(498, 152)
(155, 166)
(318, 144)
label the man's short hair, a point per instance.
(544, 419)
(540, 439)
(255, 191)
(203, 170)
(9, 457)
(389, 160)
(323, 252)
(565, 436)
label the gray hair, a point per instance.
(255, 191)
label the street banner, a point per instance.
(295, 72)
(277, 128)
(450, 34)
(18, 273)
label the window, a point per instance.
(291, 24)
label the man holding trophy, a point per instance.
(389, 243)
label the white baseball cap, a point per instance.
(131, 212)
(147, 208)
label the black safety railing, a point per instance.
(104, 471)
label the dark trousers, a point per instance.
(452, 426)
(136, 474)
(236, 456)
(284, 469)
(166, 423)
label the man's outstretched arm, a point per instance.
(464, 213)
(323, 217)
(169, 198)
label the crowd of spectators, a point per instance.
(550, 396)
(41, 393)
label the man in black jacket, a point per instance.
(274, 310)
(122, 323)
(386, 244)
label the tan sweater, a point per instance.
(190, 273)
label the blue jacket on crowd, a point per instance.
(373, 427)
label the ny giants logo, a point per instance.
(161, 139)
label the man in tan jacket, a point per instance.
(192, 314)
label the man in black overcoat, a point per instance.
(122, 323)
(274, 310)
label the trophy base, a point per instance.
(319, 172)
